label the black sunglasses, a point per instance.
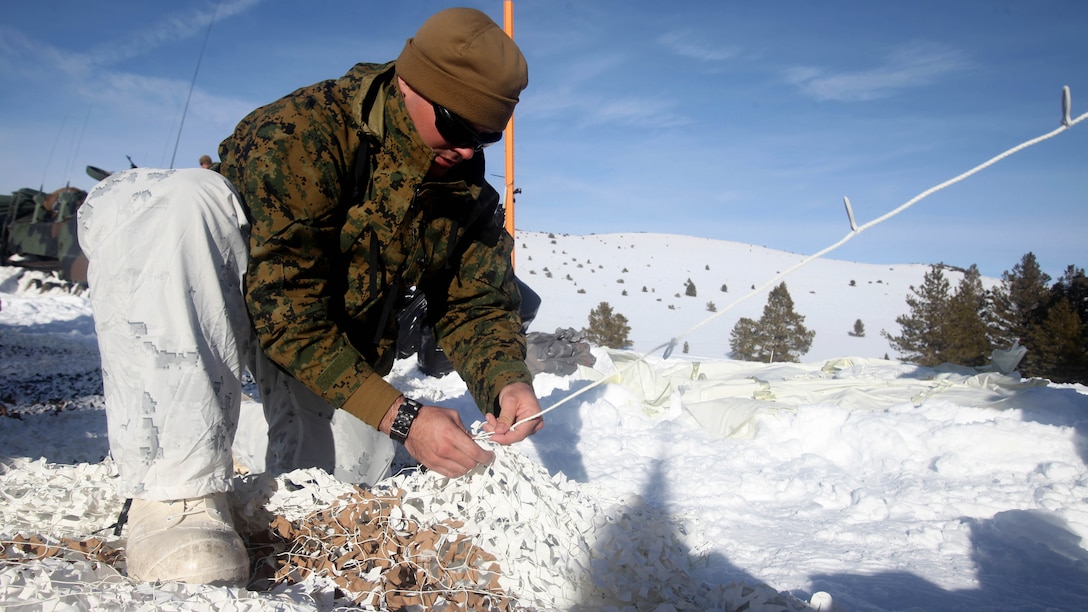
(459, 133)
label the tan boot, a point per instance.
(186, 540)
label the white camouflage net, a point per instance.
(560, 549)
(505, 537)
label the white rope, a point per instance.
(1066, 123)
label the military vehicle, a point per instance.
(38, 230)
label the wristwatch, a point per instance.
(406, 415)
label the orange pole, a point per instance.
(508, 27)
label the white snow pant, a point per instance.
(168, 255)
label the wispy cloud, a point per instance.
(587, 95)
(686, 44)
(131, 111)
(913, 65)
(590, 68)
(91, 74)
(635, 111)
(20, 52)
(171, 28)
(25, 55)
(140, 97)
(603, 109)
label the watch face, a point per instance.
(402, 423)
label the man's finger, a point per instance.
(498, 425)
(459, 463)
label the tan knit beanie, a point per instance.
(462, 60)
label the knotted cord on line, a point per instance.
(1066, 123)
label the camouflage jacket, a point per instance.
(334, 245)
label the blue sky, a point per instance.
(728, 120)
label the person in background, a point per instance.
(329, 205)
(206, 162)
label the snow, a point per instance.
(877, 484)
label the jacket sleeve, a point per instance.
(291, 171)
(480, 327)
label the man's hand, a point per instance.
(439, 441)
(517, 401)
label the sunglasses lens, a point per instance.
(458, 133)
(489, 138)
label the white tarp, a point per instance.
(727, 398)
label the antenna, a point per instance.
(51, 152)
(79, 144)
(193, 83)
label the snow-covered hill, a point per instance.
(644, 276)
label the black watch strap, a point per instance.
(406, 415)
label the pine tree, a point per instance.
(780, 334)
(922, 331)
(789, 338)
(966, 332)
(745, 341)
(1073, 286)
(1060, 341)
(607, 328)
(859, 329)
(1017, 306)
(689, 289)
